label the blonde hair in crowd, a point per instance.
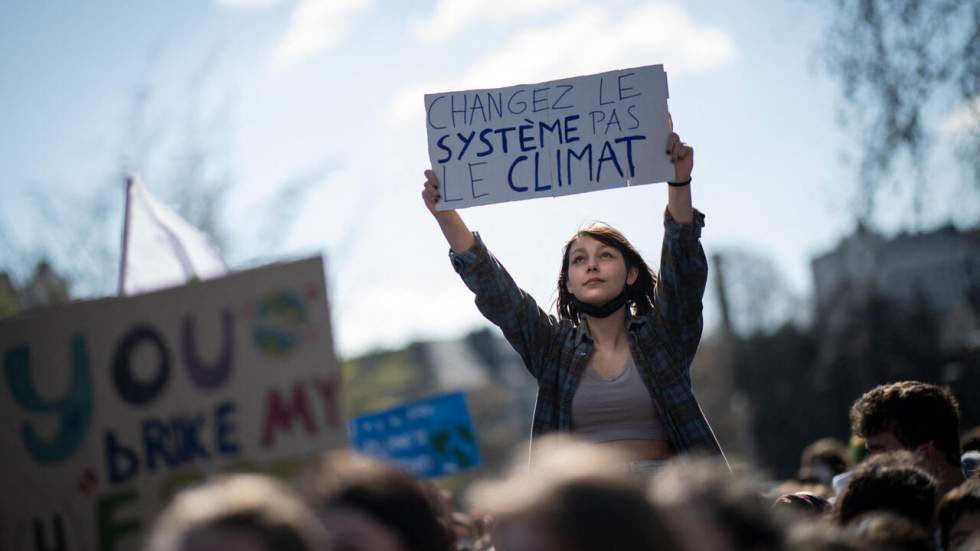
(247, 504)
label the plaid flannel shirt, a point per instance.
(556, 352)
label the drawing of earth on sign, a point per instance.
(455, 447)
(280, 323)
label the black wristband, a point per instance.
(679, 184)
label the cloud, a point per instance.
(451, 17)
(964, 119)
(315, 27)
(589, 40)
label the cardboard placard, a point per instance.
(554, 138)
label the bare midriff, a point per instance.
(643, 449)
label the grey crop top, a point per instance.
(604, 410)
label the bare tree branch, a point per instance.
(898, 63)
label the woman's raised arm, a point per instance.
(679, 196)
(683, 265)
(459, 237)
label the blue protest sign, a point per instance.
(429, 438)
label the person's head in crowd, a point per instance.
(891, 482)
(795, 487)
(914, 416)
(970, 441)
(708, 508)
(368, 505)
(802, 503)
(820, 536)
(822, 460)
(958, 515)
(883, 531)
(578, 497)
(246, 512)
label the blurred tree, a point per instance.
(182, 148)
(903, 65)
(8, 296)
(756, 298)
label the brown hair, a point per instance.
(828, 452)
(639, 294)
(577, 497)
(916, 413)
(343, 479)
(970, 440)
(961, 500)
(891, 482)
(886, 530)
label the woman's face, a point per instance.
(596, 271)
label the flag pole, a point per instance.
(125, 235)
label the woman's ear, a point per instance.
(632, 275)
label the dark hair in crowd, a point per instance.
(597, 514)
(387, 495)
(639, 294)
(888, 482)
(970, 440)
(827, 454)
(820, 536)
(884, 530)
(916, 413)
(961, 500)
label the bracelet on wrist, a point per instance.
(679, 184)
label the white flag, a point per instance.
(160, 249)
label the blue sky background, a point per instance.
(300, 85)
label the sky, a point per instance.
(334, 89)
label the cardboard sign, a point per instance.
(109, 407)
(554, 138)
(428, 438)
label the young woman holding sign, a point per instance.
(614, 366)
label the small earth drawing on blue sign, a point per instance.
(455, 445)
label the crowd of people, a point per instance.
(622, 456)
(908, 481)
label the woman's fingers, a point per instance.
(430, 191)
(677, 149)
(683, 150)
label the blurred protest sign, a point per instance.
(554, 138)
(109, 407)
(160, 249)
(428, 438)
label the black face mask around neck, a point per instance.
(604, 310)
